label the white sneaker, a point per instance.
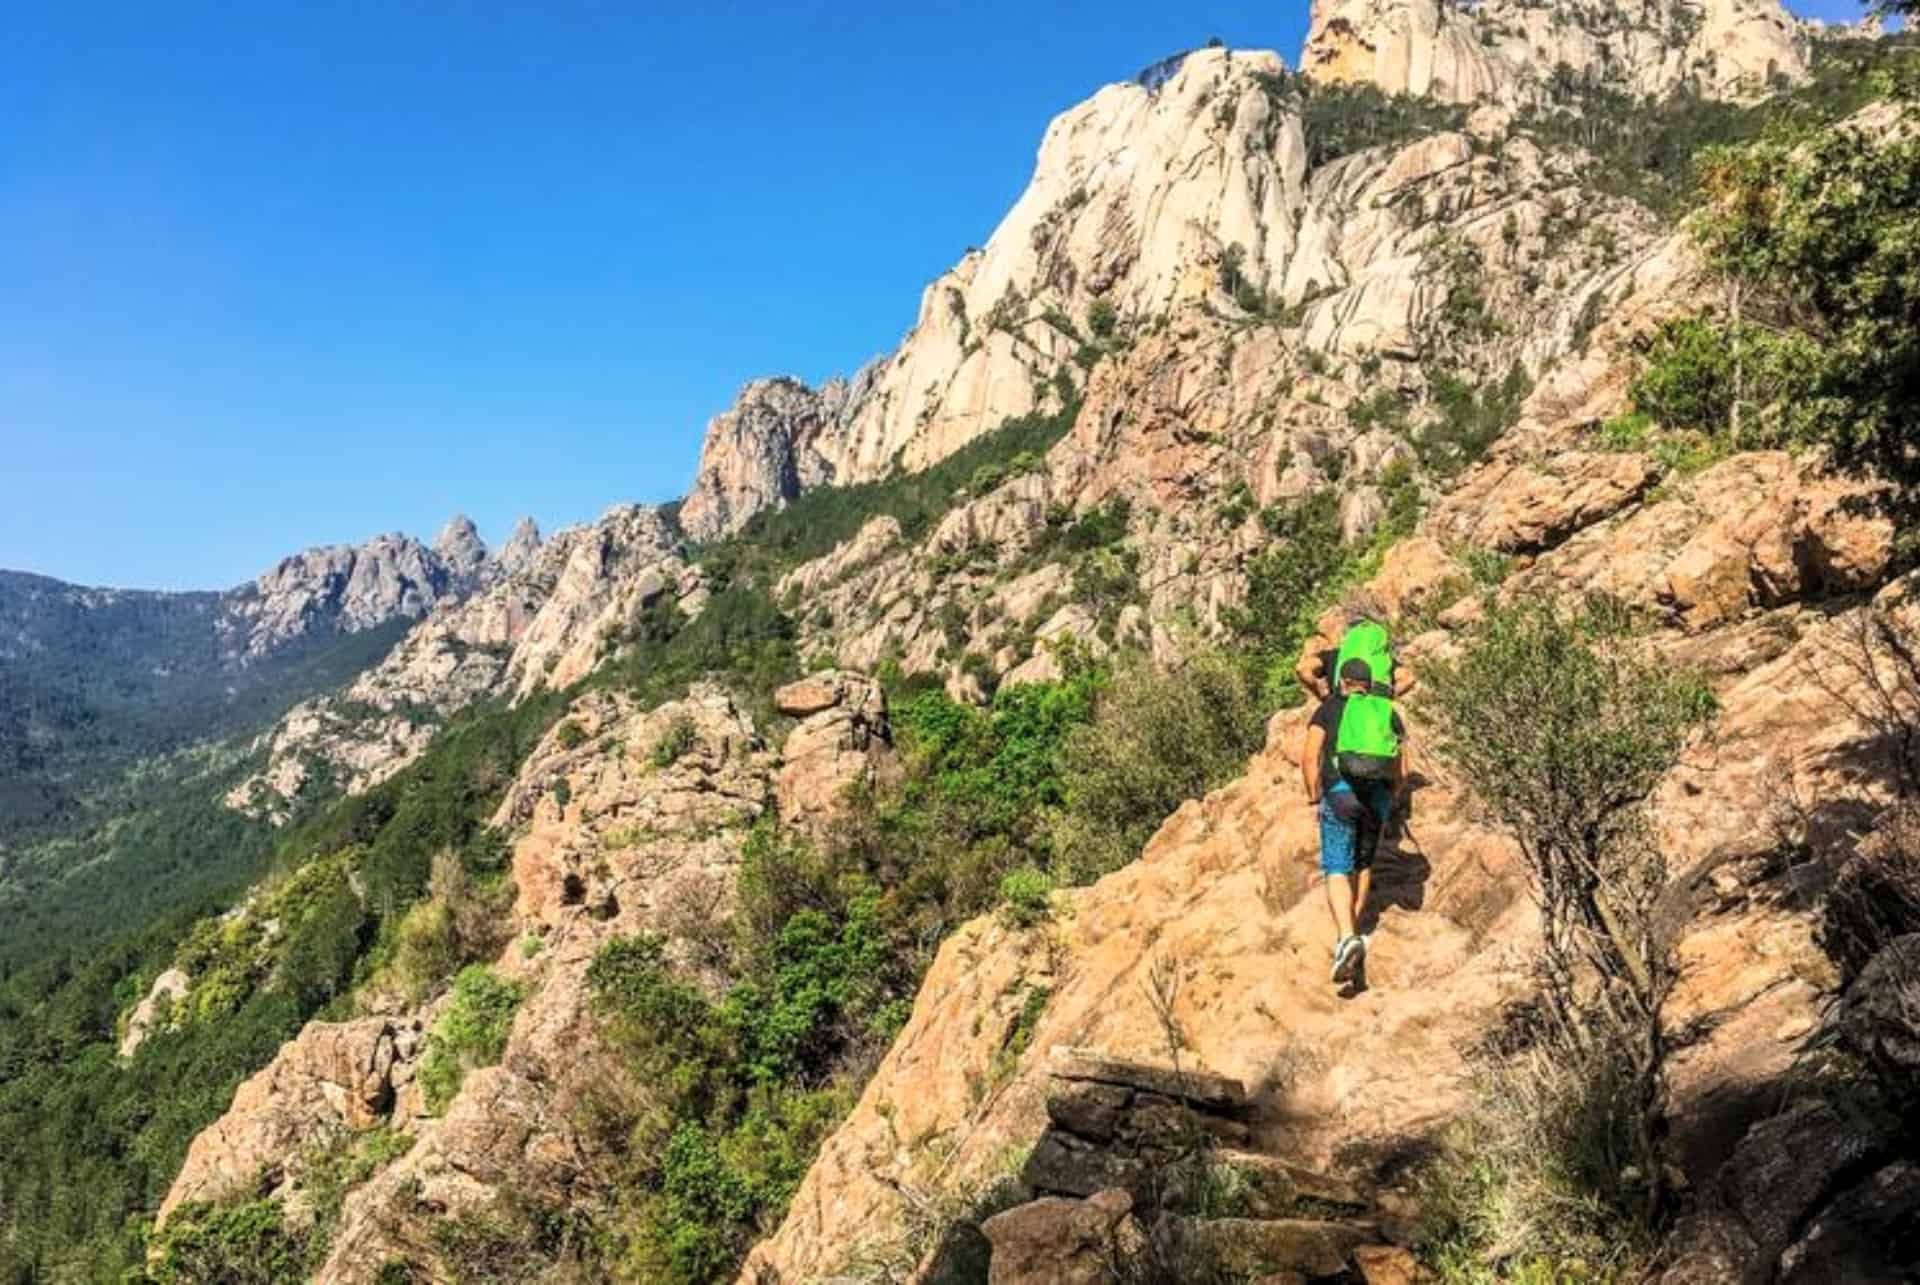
(1345, 955)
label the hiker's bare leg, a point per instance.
(1340, 901)
(1362, 885)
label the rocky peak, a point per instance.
(1136, 195)
(1516, 52)
(521, 548)
(341, 588)
(776, 439)
(461, 550)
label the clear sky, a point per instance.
(278, 274)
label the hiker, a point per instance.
(1364, 635)
(1353, 766)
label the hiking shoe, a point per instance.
(1345, 955)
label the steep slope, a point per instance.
(1211, 951)
(613, 836)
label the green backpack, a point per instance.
(1370, 642)
(1366, 746)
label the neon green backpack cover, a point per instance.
(1370, 642)
(1366, 745)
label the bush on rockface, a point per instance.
(739, 1092)
(1563, 727)
(1156, 739)
(244, 1243)
(1816, 238)
(1538, 1180)
(471, 1033)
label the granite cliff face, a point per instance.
(1510, 52)
(341, 587)
(1139, 193)
(1135, 196)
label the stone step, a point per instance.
(1193, 1085)
(1253, 1247)
(1272, 1188)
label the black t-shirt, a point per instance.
(1327, 718)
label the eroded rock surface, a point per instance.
(1511, 52)
(333, 1075)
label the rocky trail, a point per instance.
(1217, 941)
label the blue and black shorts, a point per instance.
(1350, 827)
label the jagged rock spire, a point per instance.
(522, 545)
(462, 550)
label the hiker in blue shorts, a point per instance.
(1353, 765)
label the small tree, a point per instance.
(1818, 240)
(1563, 729)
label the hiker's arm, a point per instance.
(1310, 761)
(1404, 679)
(1308, 671)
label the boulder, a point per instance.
(1786, 1166)
(1386, 1265)
(1711, 1247)
(843, 740)
(1418, 574)
(332, 1075)
(1056, 1241)
(1879, 1016)
(1869, 1234)
(1528, 507)
(168, 987)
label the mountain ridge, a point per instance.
(674, 907)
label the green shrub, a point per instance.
(1156, 739)
(471, 1033)
(1688, 379)
(1628, 431)
(1565, 726)
(1339, 120)
(1684, 454)
(336, 1164)
(1489, 568)
(1472, 418)
(1027, 896)
(679, 737)
(1101, 319)
(571, 735)
(1288, 585)
(244, 1243)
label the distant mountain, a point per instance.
(93, 679)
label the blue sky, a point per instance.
(281, 274)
